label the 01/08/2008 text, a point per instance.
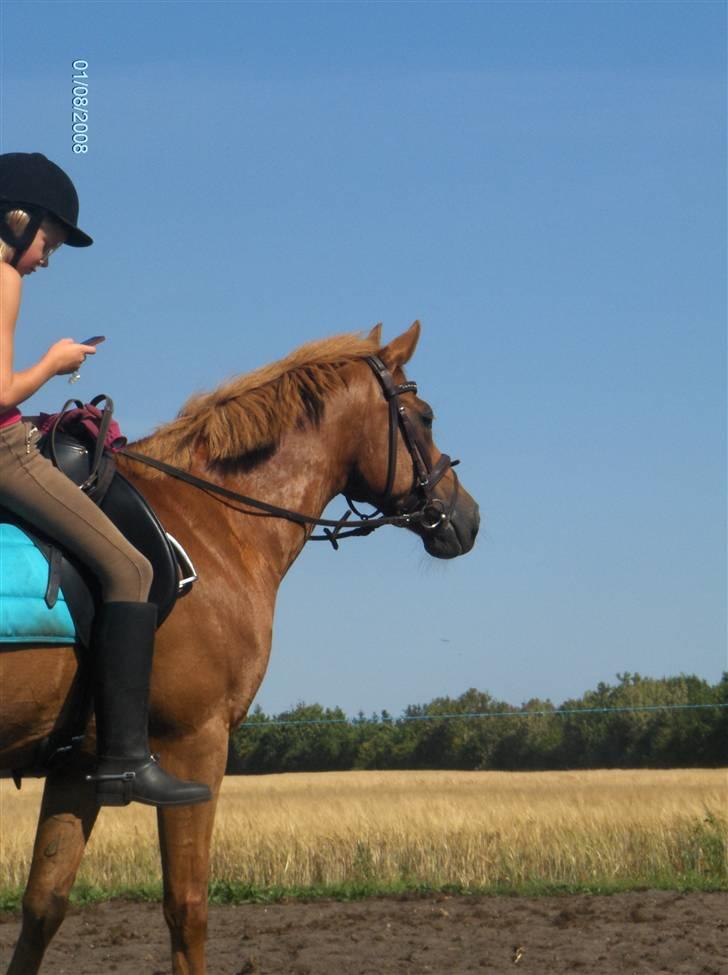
(80, 106)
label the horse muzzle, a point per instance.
(454, 536)
(448, 527)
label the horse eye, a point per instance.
(427, 419)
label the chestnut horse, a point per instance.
(295, 433)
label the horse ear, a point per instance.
(400, 350)
(376, 334)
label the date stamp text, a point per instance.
(79, 96)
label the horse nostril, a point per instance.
(475, 523)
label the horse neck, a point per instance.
(309, 467)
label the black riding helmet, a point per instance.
(31, 182)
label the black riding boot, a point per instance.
(122, 662)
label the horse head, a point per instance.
(398, 466)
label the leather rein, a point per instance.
(420, 508)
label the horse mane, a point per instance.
(251, 412)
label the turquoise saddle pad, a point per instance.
(24, 615)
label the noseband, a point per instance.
(419, 509)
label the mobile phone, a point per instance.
(94, 340)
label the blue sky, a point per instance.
(542, 184)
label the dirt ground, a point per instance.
(645, 932)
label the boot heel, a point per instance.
(113, 790)
(111, 794)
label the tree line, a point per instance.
(604, 728)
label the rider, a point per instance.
(38, 213)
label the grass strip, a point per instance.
(225, 893)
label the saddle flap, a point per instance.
(130, 512)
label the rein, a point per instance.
(429, 512)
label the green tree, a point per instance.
(637, 722)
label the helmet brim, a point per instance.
(76, 237)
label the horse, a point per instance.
(298, 432)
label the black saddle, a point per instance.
(129, 511)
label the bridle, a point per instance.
(421, 500)
(420, 508)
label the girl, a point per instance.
(38, 213)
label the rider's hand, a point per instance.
(67, 355)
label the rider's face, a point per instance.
(49, 238)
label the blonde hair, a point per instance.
(17, 220)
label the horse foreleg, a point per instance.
(184, 840)
(67, 816)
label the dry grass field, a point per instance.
(472, 829)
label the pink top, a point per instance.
(9, 417)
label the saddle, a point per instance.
(79, 458)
